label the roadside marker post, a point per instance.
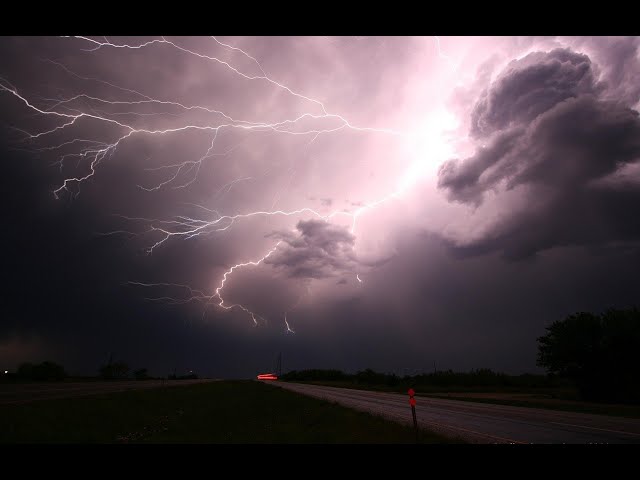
(412, 402)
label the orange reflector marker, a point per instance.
(412, 402)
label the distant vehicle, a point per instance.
(267, 376)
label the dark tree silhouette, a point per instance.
(141, 374)
(600, 353)
(115, 370)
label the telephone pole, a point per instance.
(279, 367)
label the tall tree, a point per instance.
(600, 353)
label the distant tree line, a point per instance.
(45, 371)
(475, 378)
(190, 376)
(120, 371)
(51, 371)
(112, 370)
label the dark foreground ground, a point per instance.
(210, 412)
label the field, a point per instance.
(217, 412)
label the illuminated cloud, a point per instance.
(547, 128)
(317, 250)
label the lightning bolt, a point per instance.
(69, 112)
(195, 295)
(230, 271)
(296, 305)
(447, 58)
(288, 330)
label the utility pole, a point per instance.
(279, 367)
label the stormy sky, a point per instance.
(392, 203)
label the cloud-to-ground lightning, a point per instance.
(288, 330)
(230, 271)
(69, 112)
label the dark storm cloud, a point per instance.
(618, 62)
(557, 134)
(463, 179)
(318, 250)
(556, 127)
(531, 86)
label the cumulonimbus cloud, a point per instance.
(547, 124)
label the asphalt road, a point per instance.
(481, 422)
(29, 392)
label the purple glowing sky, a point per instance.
(424, 188)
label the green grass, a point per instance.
(217, 412)
(561, 399)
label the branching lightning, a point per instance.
(230, 271)
(69, 112)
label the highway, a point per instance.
(29, 392)
(481, 422)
